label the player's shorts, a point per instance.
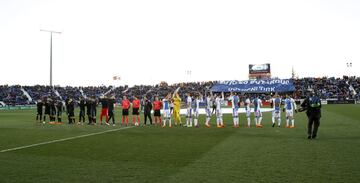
(289, 113)
(248, 113)
(47, 112)
(188, 112)
(166, 113)
(218, 113)
(71, 114)
(104, 111)
(235, 112)
(157, 113)
(82, 113)
(125, 112)
(276, 113)
(196, 113)
(135, 111)
(208, 112)
(257, 113)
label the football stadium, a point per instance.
(115, 105)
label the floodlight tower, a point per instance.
(51, 33)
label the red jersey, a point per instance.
(157, 105)
(125, 104)
(136, 103)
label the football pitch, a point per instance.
(76, 153)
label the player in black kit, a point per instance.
(47, 109)
(59, 107)
(70, 111)
(111, 103)
(39, 107)
(82, 111)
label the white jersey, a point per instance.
(166, 108)
(257, 107)
(218, 102)
(234, 101)
(208, 106)
(247, 104)
(188, 107)
(247, 107)
(208, 103)
(197, 104)
(188, 102)
(290, 104)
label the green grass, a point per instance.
(152, 154)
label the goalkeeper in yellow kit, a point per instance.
(177, 101)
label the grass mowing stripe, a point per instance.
(61, 140)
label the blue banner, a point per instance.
(255, 86)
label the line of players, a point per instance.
(170, 106)
(218, 100)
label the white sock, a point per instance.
(196, 122)
(293, 122)
(256, 121)
(279, 121)
(260, 118)
(187, 121)
(287, 122)
(273, 120)
(221, 122)
(248, 121)
(207, 120)
(191, 122)
(164, 122)
(217, 121)
(169, 121)
(234, 121)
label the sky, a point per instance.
(148, 41)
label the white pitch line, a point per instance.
(61, 140)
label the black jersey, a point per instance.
(59, 106)
(47, 108)
(104, 103)
(88, 107)
(111, 103)
(39, 106)
(82, 105)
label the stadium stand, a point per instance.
(329, 88)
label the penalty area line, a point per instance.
(62, 140)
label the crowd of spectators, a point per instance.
(327, 88)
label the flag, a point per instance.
(116, 78)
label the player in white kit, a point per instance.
(276, 106)
(234, 99)
(218, 102)
(289, 107)
(198, 99)
(166, 110)
(257, 111)
(208, 105)
(247, 104)
(188, 110)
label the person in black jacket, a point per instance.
(59, 108)
(88, 105)
(147, 110)
(47, 109)
(312, 105)
(82, 111)
(111, 114)
(70, 111)
(39, 107)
